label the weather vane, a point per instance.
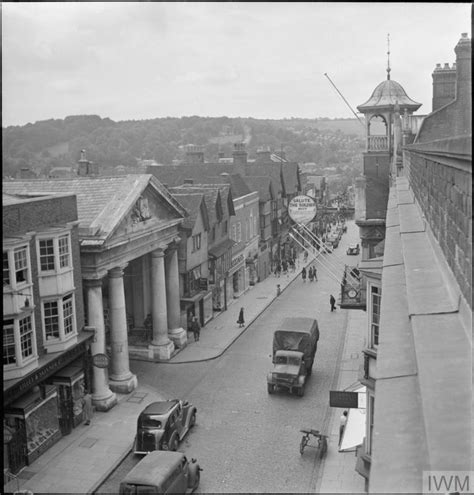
(388, 56)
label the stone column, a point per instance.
(161, 346)
(121, 378)
(102, 397)
(176, 333)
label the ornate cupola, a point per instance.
(383, 147)
(379, 110)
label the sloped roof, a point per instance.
(237, 184)
(386, 95)
(102, 202)
(193, 203)
(211, 198)
(175, 175)
(263, 185)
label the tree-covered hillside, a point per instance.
(57, 142)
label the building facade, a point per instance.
(46, 348)
(418, 362)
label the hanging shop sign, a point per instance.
(302, 209)
(100, 360)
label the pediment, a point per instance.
(148, 209)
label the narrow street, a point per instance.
(245, 439)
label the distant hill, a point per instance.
(58, 142)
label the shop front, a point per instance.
(46, 404)
(237, 276)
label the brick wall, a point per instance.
(445, 196)
(38, 214)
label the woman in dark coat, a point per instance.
(303, 274)
(241, 320)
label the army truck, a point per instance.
(294, 346)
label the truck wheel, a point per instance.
(270, 388)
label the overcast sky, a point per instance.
(142, 60)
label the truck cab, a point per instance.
(289, 371)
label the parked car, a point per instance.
(162, 472)
(353, 249)
(162, 425)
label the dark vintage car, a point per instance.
(162, 472)
(353, 249)
(162, 425)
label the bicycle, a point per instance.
(322, 445)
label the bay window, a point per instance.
(19, 344)
(16, 267)
(54, 253)
(58, 318)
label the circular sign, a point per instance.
(352, 293)
(100, 360)
(302, 209)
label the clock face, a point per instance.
(352, 293)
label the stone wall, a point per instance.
(444, 193)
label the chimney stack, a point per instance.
(239, 154)
(194, 154)
(464, 84)
(87, 168)
(264, 154)
(444, 85)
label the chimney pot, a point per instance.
(446, 65)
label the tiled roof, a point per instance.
(101, 201)
(263, 185)
(211, 197)
(191, 202)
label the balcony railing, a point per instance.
(378, 143)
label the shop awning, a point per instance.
(221, 248)
(354, 432)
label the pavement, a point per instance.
(82, 460)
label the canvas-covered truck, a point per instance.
(294, 346)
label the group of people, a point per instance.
(285, 266)
(311, 273)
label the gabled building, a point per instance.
(267, 217)
(195, 292)
(220, 208)
(128, 233)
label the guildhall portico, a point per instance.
(128, 233)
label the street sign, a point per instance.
(302, 209)
(100, 360)
(347, 400)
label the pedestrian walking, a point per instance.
(278, 290)
(332, 301)
(196, 329)
(241, 320)
(305, 256)
(342, 425)
(284, 266)
(278, 269)
(303, 274)
(88, 408)
(310, 273)
(291, 262)
(315, 274)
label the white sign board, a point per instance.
(302, 209)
